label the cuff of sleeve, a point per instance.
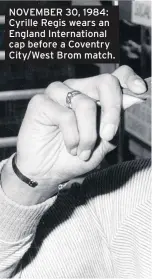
(19, 221)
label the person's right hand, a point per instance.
(56, 144)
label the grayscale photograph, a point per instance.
(75, 139)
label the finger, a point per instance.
(129, 79)
(85, 111)
(52, 114)
(110, 99)
(69, 129)
(106, 89)
(86, 85)
(57, 91)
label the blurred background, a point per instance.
(135, 51)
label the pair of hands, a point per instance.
(56, 144)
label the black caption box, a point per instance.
(80, 34)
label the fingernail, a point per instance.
(85, 155)
(139, 82)
(108, 131)
(74, 151)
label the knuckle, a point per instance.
(36, 102)
(125, 68)
(89, 141)
(73, 140)
(52, 86)
(68, 82)
(109, 79)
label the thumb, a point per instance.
(129, 79)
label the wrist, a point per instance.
(29, 170)
(22, 193)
